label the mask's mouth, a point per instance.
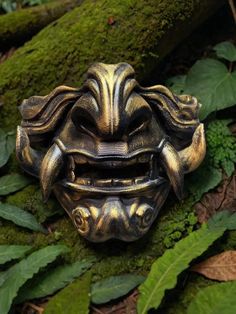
(112, 176)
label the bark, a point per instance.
(18, 27)
(137, 32)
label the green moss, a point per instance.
(31, 200)
(18, 26)
(62, 52)
(221, 146)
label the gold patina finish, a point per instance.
(110, 150)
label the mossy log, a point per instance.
(137, 32)
(18, 27)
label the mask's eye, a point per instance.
(84, 121)
(139, 122)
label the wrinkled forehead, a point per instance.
(110, 84)
(109, 96)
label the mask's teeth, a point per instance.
(71, 175)
(71, 168)
(84, 181)
(121, 182)
(71, 163)
(79, 159)
(139, 180)
(103, 182)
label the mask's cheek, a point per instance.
(105, 217)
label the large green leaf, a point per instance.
(114, 287)
(216, 299)
(20, 217)
(74, 299)
(165, 270)
(212, 83)
(3, 276)
(226, 50)
(18, 274)
(53, 280)
(9, 252)
(12, 183)
(177, 84)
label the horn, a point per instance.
(193, 155)
(171, 162)
(50, 168)
(29, 158)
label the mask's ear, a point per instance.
(40, 119)
(178, 114)
(41, 114)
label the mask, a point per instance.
(110, 150)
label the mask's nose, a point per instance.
(114, 219)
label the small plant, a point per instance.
(211, 80)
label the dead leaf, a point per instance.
(220, 267)
(223, 197)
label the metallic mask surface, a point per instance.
(110, 150)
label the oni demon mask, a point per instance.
(111, 149)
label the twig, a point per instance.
(233, 9)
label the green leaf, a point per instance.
(177, 84)
(3, 276)
(223, 218)
(12, 183)
(53, 280)
(75, 298)
(210, 178)
(20, 217)
(114, 287)
(216, 299)
(18, 274)
(213, 85)
(9, 252)
(3, 152)
(11, 142)
(165, 270)
(7, 145)
(226, 50)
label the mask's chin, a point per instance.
(100, 217)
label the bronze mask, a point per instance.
(110, 150)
